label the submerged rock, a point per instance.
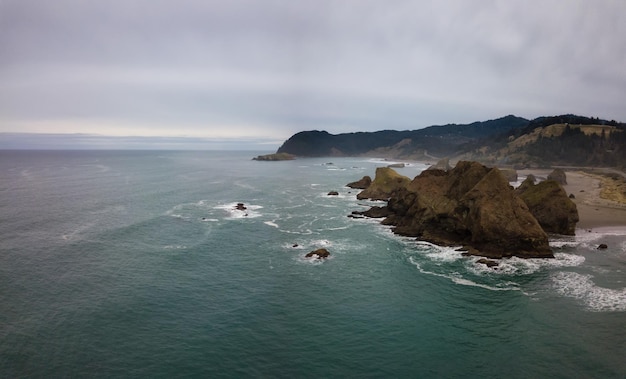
(275, 157)
(333, 193)
(318, 254)
(488, 262)
(240, 207)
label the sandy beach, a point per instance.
(594, 211)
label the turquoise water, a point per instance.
(136, 264)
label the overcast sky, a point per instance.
(267, 69)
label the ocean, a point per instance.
(137, 264)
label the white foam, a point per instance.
(521, 266)
(233, 212)
(440, 253)
(270, 223)
(457, 279)
(581, 287)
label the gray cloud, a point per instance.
(272, 68)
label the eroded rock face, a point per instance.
(386, 181)
(470, 205)
(551, 206)
(510, 174)
(363, 183)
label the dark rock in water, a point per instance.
(470, 205)
(385, 182)
(558, 175)
(318, 254)
(275, 157)
(333, 193)
(551, 206)
(240, 207)
(363, 183)
(295, 245)
(571, 196)
(396, 165)
(353, 215)
(487, 262)
(602, 246)
(374, 212)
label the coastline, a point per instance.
(594, 211)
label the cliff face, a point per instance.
(550, 205)
(470, 205)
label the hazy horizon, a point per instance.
(261, 71)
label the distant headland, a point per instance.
(565, 140)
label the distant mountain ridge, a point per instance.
(437, 140)
(510, 140)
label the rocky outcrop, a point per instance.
(275, 157)
(470, 205)
(558, 175)
(385, 182)
(443, 164)
(363, 183)
(373, 212)
(333, 193)
(551, 206)
(510, 174)
(318, 254)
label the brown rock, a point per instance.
(602, 246)
(551, 206)
(318, 254)
(333, 193)
(385, 182)
(558, 175)
(470, 205)
(509, 173)
(363, 183)
(443, 164)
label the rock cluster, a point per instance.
(470, 205)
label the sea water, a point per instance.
(139, 264)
